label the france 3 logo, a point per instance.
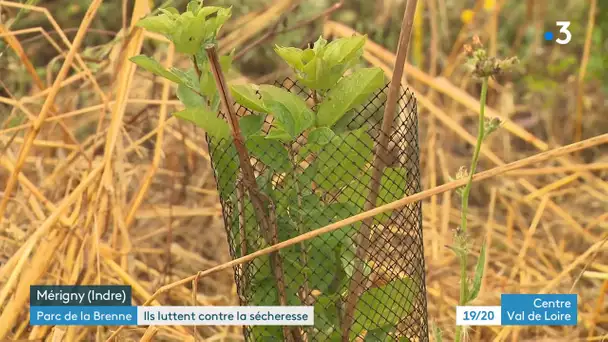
(565, 35)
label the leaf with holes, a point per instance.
(244, 94)
(192, 29)
(188, 34)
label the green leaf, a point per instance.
(263, 283)
(271, 152)
(321, 260)
(155, 67)
(379, 335)
(216, 23)
(170, 11)
(322, 215)
(207, 11)
(350, 92)
(189, 97)
(278, 134)
(476, 286)
(321, 66)
(207, 84)
(317, 75)
(226, 164)
(313, 71)
(162, 24)
(384, 306)
(392, 188)
(266, 333)
(291, 55)
(344, 50)
(184, 92)
(251, 232)
(319, 46)
(348, 253)
(187, 77)
(251, 124)
(188, 34)
(264, 182)
(245, 95)
(341, 159)
(295, 270)
(327, 319)
(191, 29)
(321, 136)
(207, 120)
(292, 115)
(226, 62)
(193, 6)
(288, 230)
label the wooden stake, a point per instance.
(356, 286)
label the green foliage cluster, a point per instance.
(330, 188)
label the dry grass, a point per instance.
(135, 202)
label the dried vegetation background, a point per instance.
(113, 190)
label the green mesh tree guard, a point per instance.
(312, 187)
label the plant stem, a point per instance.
(462, 242)
(480, 137)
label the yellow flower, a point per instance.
(488, 5)
(467, 16)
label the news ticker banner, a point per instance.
(172, 315)
(522, 310)
(111, 305)
(100, 305)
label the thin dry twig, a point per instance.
(18, 48)
(48, 103)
